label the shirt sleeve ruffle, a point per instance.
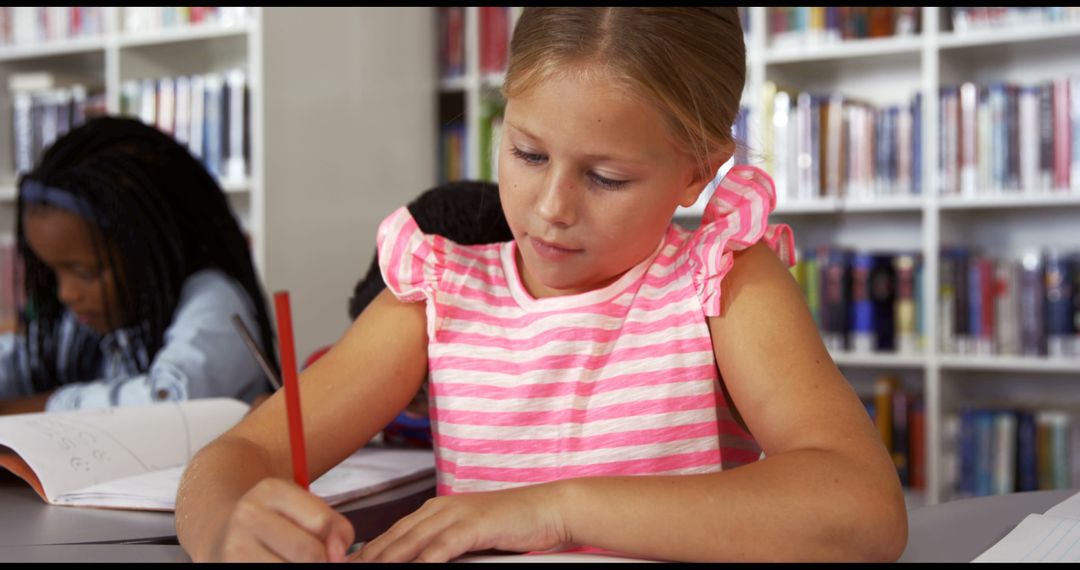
(735, 218)
(411, 262)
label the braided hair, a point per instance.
(467, 212)
(159, 217)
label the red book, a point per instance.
(917, 453)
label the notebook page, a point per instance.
(76, 449)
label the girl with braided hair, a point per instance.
(134, 264)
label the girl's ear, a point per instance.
(700, 177)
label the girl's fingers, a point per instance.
(278, 509)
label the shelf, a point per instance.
(1010, 363)
(182, 34)
(910, 203)
(906, 45)
(1040, 200)
(1009, 35)
(879, 359)
(242, 186)
(55, 48)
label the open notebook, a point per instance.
(132, 457)
(1050, 537)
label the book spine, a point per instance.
(1058, 304)
(863, 338)
(1004, 457)
(1026, 458)
(1032, 332)
(883, 299)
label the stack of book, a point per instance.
(801, 26)
(863, 301)
(1009, 448)
(831, 145)
(28, 25)
(900, 418)
(45, 106)
(1006, 306)
(1003, 137)
(209, 113)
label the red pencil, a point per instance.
(292, 387)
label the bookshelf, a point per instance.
(323, 99)
(890, 70)
(884, 71)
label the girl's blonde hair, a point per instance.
(689, 62)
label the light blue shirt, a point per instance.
(202, 356)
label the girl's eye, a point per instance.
(86, 274)
(529, 157)
(607, 182)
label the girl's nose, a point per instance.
(558, 201)
(68, 291)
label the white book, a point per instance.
(781, 144)
(969, 95)
(133, 457)
(148, 101)
(196, 140)
(182, 120)
(166, 107)
(1028, 126)
(805, 142)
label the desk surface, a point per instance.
(27, 520)
(959, 531)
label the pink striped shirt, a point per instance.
(621, 380)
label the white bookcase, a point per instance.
(340, 99)
(890, 71)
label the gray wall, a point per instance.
(349, 103)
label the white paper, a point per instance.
(364, 473)
(1050, 537)
(78, 449)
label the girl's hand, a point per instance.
(276, 520)
(519, 520)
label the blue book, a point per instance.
(984, 453)
(1027, 475)
(862, 307)
(1058, 306)
(967, 449)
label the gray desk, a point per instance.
(26, 520)
(958, 531)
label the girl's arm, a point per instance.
(226, 507)
(826, 491)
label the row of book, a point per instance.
(863, 301)
(810, 26)
(900, 418)
(209, 113)
(42, 113)
(24, 25)
(995, 450)
(968, 18)
(1003, 137)
(495, 25)
(148, 18)
(1026, 306)
(831, 145)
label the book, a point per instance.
(133, 457)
